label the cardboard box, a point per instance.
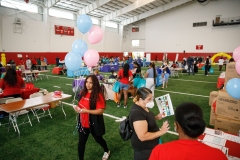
(231, 72)
(227, 106)
(213, 117)
(213, 94)
(227, 125)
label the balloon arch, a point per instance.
(222, 54)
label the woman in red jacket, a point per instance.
(11, 84)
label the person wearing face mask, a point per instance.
(113, 75)
(189, 125)
(137, 69)
(146, 133)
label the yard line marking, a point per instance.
(69, 84)
(117, 118)
(108, 115)
(183, 93)
(171, 132)
(194, 81)
(60, 77)
(56, 86)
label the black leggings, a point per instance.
(83, 136)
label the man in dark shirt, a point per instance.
(190, 64)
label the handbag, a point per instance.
(116, 86)
(136, 80)
(142, 83)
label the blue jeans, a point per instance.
(190, 66)
(124, 86)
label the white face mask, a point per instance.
(150, 104)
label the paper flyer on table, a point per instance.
(214, 139)
(165, 106)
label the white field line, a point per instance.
(193, 81)
(117, 118)
(183, 93)
(69, 84)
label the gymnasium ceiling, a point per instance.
(121, 11)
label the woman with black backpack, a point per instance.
(90, 108)
(146, 133)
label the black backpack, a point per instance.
(125, 129)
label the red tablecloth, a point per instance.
(56, 70)
(25, 92)
(233, 147)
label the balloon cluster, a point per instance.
(73, 59)
(233, 85)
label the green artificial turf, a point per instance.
(54, 139)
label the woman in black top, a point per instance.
(145, 130)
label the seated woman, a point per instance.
(96, 73)
(190, 125)
(113, 75)
(11, 84)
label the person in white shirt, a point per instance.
(220, 63)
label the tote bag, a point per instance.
(136, 80)
(142, 83)
(116, 87)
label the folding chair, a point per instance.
(28, 76)
(43, 108)
(14, 115)
(3, 101)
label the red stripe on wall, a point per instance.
(51, 56)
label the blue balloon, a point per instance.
(73, 61)
(84, 23)
(233, 88)
(79, 46)
(211, 70)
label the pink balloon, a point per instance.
(91, 58)
(237, 66)
(95, 35)
(236, 54)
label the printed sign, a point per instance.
(62, 30)
(164, 104)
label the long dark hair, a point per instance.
(10, 77)
(152, 64)
(96, 90)
(125, 69)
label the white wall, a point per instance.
(139, 36)
(172, 31)
(38, 36)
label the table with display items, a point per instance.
(109, 68)
(233, 147)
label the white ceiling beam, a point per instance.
(93, 6)
(154, 11)
(51, 3)
(127, 9)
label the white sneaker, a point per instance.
(125, 106)
(106, 155)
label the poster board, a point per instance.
(165, 106)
